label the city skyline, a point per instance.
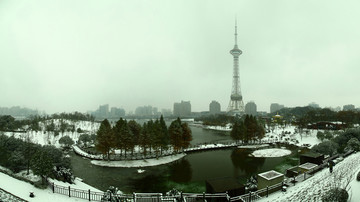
(76, 55)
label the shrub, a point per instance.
(66, 141)
(326, 148)
(358, 176)
(353, 144)
(336, 194)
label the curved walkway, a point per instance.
(139, 163)
(195, 148)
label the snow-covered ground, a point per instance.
(49, 138)
(139, 163)
(271, 152)
(84, 154)
(313, 188)
(23, 174)
(219, 128)
(253, 146)
(22, 189)
(290, 135)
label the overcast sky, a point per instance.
(73, 55)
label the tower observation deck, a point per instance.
(236, 104)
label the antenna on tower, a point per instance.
(235, 31)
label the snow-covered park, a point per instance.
(313, 188)
(301, 192)
(50, 138)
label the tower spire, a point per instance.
(236, 104)
(236, 32)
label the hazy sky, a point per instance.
(70, 55)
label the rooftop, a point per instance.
(269, 175)
(307, 166)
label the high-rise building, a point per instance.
(117, 112)
(166, 112)
(250, 108)
(236, 104)
(103, 110)
(182, 109)
(214, 107)
(144, 111)
(275, 107)
(349, 107)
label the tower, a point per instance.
(236, 104)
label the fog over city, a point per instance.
(74, 55)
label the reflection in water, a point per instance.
(187, 174)
(180, 171)
(241, 160)
(150, 183)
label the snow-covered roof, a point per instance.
(308, 166)
(269, 175)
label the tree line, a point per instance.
(45, 161)
(247, 129)
(152, 136)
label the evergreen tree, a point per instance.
(235, 131)
(156, 136)
(175, 132)
(127, 138)
(144, 139)
(42, 165)
(105, 138)
(135, 129)
(239, 130)
(186, 135)
(164, 135)
(119, 136)
(243, 131)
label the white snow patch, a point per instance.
(23, 189)
(253, 146)
(271, 152)
(228, 127)
(139, 163)
(140, 170)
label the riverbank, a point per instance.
(138, 163)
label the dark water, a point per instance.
(187, 174)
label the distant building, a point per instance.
(182, 109)
(314, 105)
(18, 112)
(275, 107)
(117, 112)
(145, 111)
(214, 107)
(166, 112)
(349, 107)
(251, 108)
(103, 111)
